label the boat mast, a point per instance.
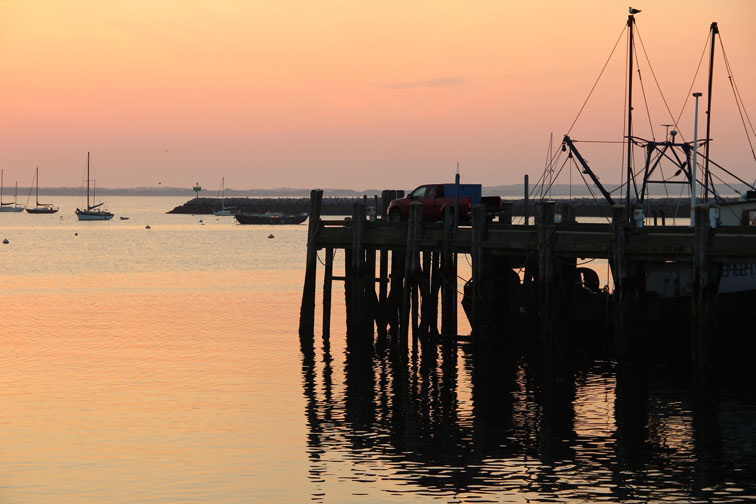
(630, 23)
(714, 32)
(88, 181)
(36, 193)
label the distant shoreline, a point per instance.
(584, 207)
(559, 191)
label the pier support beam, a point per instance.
(307, 309)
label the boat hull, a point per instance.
(42, 210)
(84, 215)
(11, 209)
(269, 218)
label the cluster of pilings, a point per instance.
(414, 262)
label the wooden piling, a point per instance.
(307, 309)
(628, 282)
(547, 299)
(706, 276)
(480, 331)
(357, 270)
(410, 270)
(327, 290)
(449, 284)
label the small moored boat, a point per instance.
(269, 218)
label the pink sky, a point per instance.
(344, 94)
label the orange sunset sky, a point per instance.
(349, 94)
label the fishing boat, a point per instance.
(9, 207)
(93, 210)
(269, 218)
(224, 210)
(689, 167)
(39, 208)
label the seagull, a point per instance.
(634, 11)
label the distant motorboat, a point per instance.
(93, 211)
(9, 207)
(40, 208)
(269, 218)
(123, 217)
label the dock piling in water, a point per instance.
(520, 274)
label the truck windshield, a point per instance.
(418, 193)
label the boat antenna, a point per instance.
(714, 32)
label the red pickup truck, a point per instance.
(436, 197)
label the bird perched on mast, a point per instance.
(634, 11)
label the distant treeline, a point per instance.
(584, 207)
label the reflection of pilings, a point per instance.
(555, 394)
(631, 415)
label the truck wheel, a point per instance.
(396, 215)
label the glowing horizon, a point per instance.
(293, 94)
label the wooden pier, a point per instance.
(416, 261)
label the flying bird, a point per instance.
(634, 11)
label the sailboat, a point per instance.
(40, 208)
(93, 211)
(224, 211)
(9, 207)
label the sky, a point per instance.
(349, 94)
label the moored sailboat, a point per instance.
(9, 207)
(93, 210)
(224, 210)
(40, 208)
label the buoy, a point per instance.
(76, 234)
(6, 241)
(200, 221)
(147, 227)
(271, 236)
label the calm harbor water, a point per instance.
(163, 365)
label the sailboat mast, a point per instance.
(630, 23)
(36, 193)
(714, 32)
(87, 180)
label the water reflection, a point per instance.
(451, 426)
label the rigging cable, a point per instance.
(597, 80)
(738, 100)
(693, 83)
(643, 88)
(656, 81)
